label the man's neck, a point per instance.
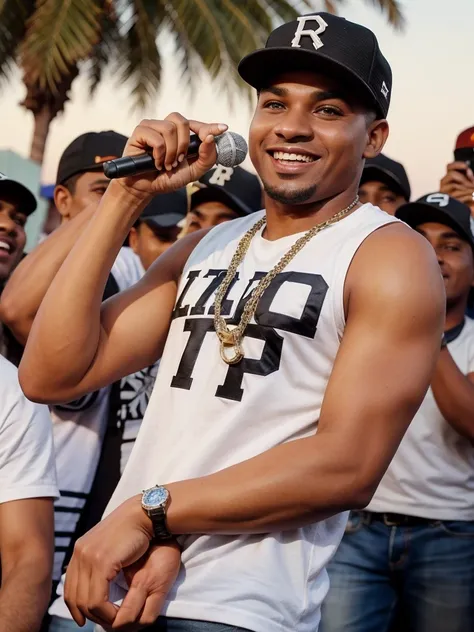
(285, 219)
(455, 314)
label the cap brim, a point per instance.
(26, 200)
(214, 194)
(167, 220)
(261, 66)
(374, 172)
(416, 213)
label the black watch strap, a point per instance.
(158, 520)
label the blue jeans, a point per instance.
(408, 578)
(58, 624)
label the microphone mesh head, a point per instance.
(231, 149)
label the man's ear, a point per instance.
(133, 239)
(63, 201)
(377, 134)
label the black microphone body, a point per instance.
(231, 151)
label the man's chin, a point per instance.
(290, 195)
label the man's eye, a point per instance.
(100, 190)
(20, 220)
(329, 110)
(273, 105)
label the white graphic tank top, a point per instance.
(204, 416)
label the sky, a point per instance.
(432, 96)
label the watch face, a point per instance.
(155, 496)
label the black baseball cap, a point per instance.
(166, 210)
(441, 209)
(326, 43)
(88, 152)
(390, 172)
(235, 187)
(17, 192)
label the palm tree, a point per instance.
(51, 41)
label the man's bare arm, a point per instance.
(454, 394)
(79, 344)
(76, 345)
(31, 279)
(26, 549)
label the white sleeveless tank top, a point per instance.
(204, 416)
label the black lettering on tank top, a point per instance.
(199, 308)
(265, 328)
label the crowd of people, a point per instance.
(406, 558)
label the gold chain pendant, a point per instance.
(230, 340)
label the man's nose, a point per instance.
(294, 127)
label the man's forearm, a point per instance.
(65, 334)
(454, 394)
(31, 279)
(289, 486)
(24, 597)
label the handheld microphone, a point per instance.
(231, 151)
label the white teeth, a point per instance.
(5, 246)
(283, 155)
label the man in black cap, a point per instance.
(286, 321)
(80, 181)
(223, 194)
(409, 556)
(16, 205)
(384, 183)
(158, 226)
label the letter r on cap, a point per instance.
(312, 33)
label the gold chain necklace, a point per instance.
(231, 339)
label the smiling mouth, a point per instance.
(6, 247)
(291, 158)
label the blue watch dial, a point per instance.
(155, 497)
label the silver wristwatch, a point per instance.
(155, 501)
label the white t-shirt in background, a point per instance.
(27, 467)
(432, 473)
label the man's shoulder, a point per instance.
(396, 267)
(396, 243)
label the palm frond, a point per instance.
(13, 17)
(139, 58)
(393, 10)
(60, 34)
(103, 52)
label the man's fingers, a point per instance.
(182, 136)
(152, 609)
(70, 591)
(204, 129)
(146, 137)
(99, 608)
(131, 608)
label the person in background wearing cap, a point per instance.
(458, 182)
(260, 319)
(223, 194)
(409, 556)
(94, 435)
(384, 183)
(158, 226)
(16, 204)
